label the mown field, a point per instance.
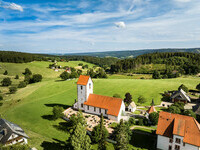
(31, 107)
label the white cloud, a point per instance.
(12, 6)
(120, 24)
(184, 1)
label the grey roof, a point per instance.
(9, 128)
(197, 110)
(181, 94)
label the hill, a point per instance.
(133, 53)
(31, 107)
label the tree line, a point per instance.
(184, 63)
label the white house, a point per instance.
(11, 133)
(111, 108)
(177, 132)
(132, 107)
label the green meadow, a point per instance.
(31, 107)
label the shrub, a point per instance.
(80, 64)
(27, 79)
(153, 117)
(184, 88)
(117, 96)
(22, 84)
(140, 122)
(6, 82)
(57, 112)
(131, 121)
(141, 99)
(36, 78)
(27, 72)
(5, 73)
(198, 87)
(1, 97)
(156, 75)
(13, 89)
(17, 77)
(64, 75)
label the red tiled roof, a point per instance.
(151, 110)
(185, 126)
(112, 104)
(83, 80)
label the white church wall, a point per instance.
(96, 111)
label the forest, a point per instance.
(184, 63)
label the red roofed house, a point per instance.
(110, 107)
(177, 132)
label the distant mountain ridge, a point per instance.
(134, 53)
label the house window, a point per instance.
(183, 144)
(87, 107)
(178, 140)
(89, 85)
(170, 140)
(170, 147)
(95, 109)
(163, 104)
(177, 147)
(82, 105)
(81, 87)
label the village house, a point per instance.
(180, 96)
(111, 108)
(177, 132)
(11, 133)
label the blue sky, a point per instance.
(69, 26)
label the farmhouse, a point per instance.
(11, 133)
(111, 108)
(180, 96)
(177, 132)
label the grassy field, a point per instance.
(31, 107)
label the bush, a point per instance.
(64, 75)
(80, 64)
(140, 122)
(131, 121)
(6, 82)
(184, 88)
(13, 89)
(117, 96)
(36, 78)
(153, 117)
(27, 79)
(22, 84)
(141, 99)
(1, 97)
(27, 72)
(5, 73)
(156, 75)
(57, 112)
(17, 77)
(198, 87)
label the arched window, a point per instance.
(90, 85)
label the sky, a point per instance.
(71, 26)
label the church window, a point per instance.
(94, 108)
(106, 111)
(81, 87)
(89, 85)
(82, 105)
(99, 110)
(88, 107)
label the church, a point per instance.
(111, 107)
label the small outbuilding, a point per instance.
(132, 107)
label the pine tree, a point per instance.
(103, 134)
(79, 139)
(121, 136)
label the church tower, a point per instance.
(84, 89)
